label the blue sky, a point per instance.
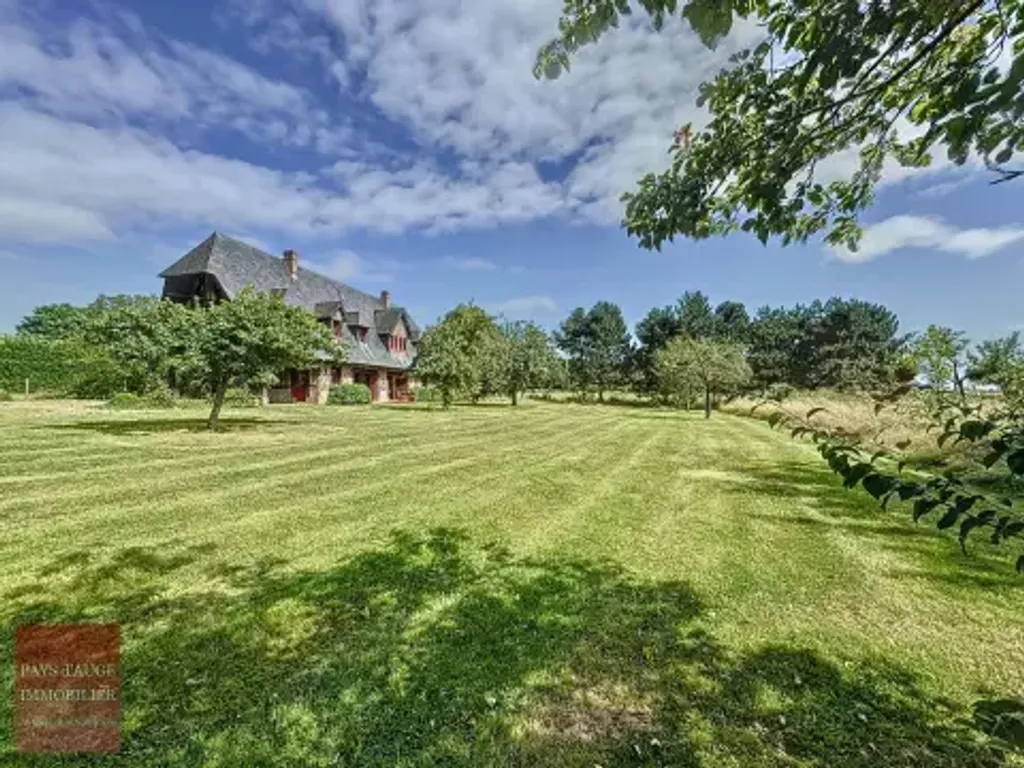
(403, 144)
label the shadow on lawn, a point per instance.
(436, 652)
(936, 556)
(150, 426)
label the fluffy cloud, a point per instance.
(926, 232)
(111, 120)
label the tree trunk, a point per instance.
(958, 382)
(600, 394)
(218, 403)
(515, 397)
(707, 402)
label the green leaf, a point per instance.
(813, 411)
(1015, 461)
(877, 485)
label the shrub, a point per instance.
(160, 398)
(127, 401)
(236, 397)
(427, 395)
(349, 394)
(5, 396)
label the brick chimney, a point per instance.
(385, 299)
(291, 262)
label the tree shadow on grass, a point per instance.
(144, 426)
(434, 651)
(935, 556)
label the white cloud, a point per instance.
(928, 232)
(526, 305)
(115, 70)
(346, 266)
(458, 75)
(470, 264)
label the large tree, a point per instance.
(150, 339)
(598, 346)
(885, 82)
(250, 338)
(525, 359)
(654, 331)
(696, 319)
(710, 367)
(458, 354)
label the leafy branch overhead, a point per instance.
(951, 498)
(882, 83)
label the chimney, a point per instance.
(291, 262)
(385, 299)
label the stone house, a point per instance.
(381, 338)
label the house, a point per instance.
(381, 338)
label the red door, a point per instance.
(300, 387)
(373, 385)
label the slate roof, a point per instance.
(236, 265)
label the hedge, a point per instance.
(349, 394)
(57, 367)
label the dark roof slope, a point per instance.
(236, 265)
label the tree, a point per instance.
(696, 319)
(713, 367)
(150, 339)
(598, 345)
(457, 356)
(1000, 362)
(732, 323)
(889, 82)
(54, 322)
(251, 337)
(653, 332)
(525, 360)
(939, 353)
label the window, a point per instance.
(336, 376)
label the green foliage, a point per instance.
(240, 397)
(598, 346)
(5, 396)
(160, 398)
(150, 339)
(525, 359)
(844, 344)
(838, 343)
(245, 340)
(54, 322)
(939, 354)
(1001, 362)
(57, 367)
(688, 368)
(428, 395)
(350, 394)
(829, 76)
(457, 356)
(128, 401)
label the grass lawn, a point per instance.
(547, 585)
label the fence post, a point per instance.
(26, 386)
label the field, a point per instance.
(548, 585)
